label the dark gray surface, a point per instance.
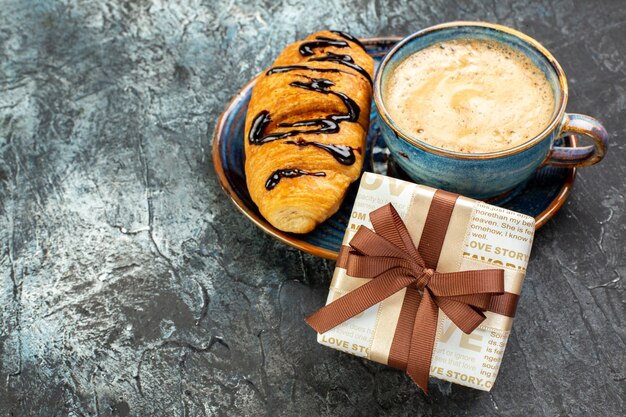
(129, 285)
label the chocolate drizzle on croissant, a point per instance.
(346, 60)
(306, 48)
(348, 37)
(274, 179)
(329, 124)
(287, 68)
(344, 154)
(280, 115)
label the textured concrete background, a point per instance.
(129, 285)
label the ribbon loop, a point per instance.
(389, 258)
(468, 282)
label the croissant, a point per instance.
(305, 130)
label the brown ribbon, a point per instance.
(390, 258)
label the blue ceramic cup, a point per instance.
(484, 175)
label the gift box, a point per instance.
(426, 281)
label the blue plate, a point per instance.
(540, 197)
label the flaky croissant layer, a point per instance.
(305, 129)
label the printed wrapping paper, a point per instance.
(479, 236)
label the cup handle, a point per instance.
(579, 124)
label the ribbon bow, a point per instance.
(390, 258)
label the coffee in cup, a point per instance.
(481, 119)
(470, 96)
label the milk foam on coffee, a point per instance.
(470, 95)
